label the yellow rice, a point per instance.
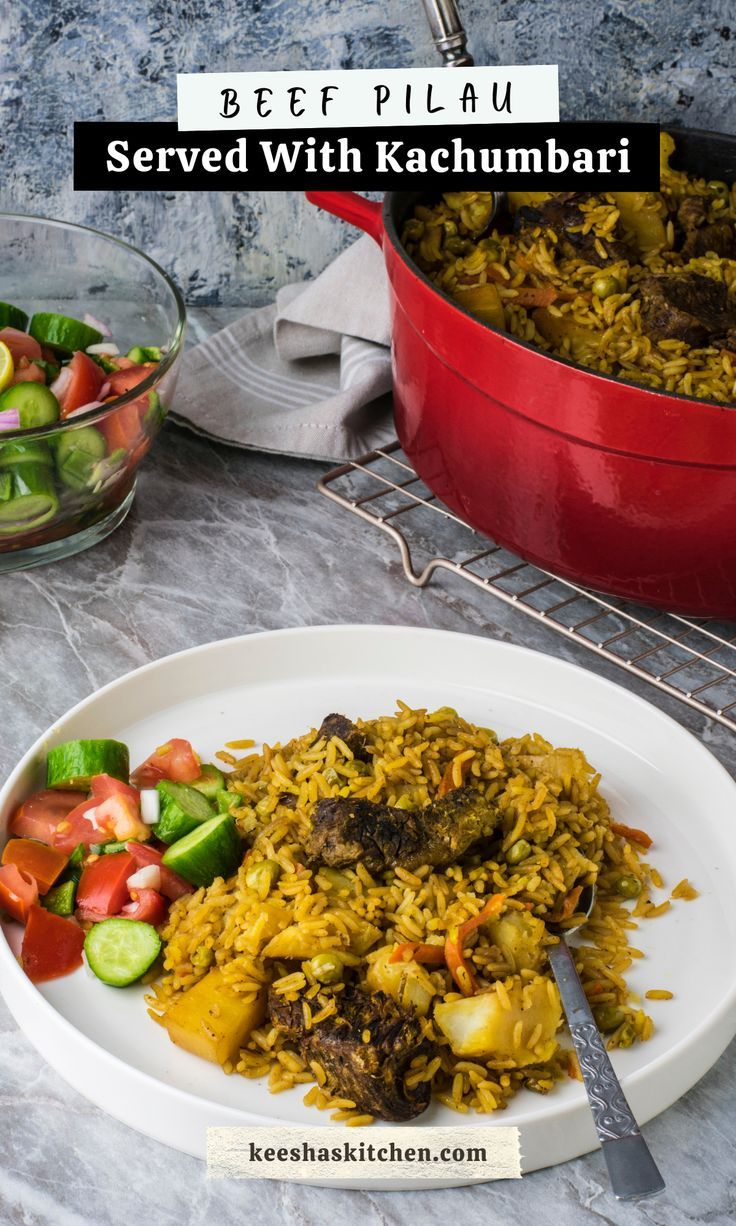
(548, 796)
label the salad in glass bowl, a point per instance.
(90, 339)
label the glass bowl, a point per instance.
(71, 503)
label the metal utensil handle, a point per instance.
(448, 33)
(632, 1170)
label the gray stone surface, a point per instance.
(219, 543)
(673, 60)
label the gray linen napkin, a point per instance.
(309, 376)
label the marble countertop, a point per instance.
(164, 581)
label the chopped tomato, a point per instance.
(103, 886)
(41, 862)
(18, 892)
(122, 428)
(172, 885)
(28, 372)
(454, 956)
(122, 381)
(20, 344)
(84, 382)
(39, 816)
(176, 760)
(147, 905)
(104, 786)
(52, 946)
(79, 826)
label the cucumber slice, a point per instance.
(73, 764)
(6, 485)
(182, 808)
(12, 317)
(210, 782)
(60, 900)
(225, 801)
(36, 452)
(77, 453)
(63, 333)
(33, 499)
(119, 951)
(214, 849)
(36, 404)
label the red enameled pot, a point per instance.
(617, 487)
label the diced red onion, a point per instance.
(146, 878)
(9, 419)
(105, 347)
(96, 323)
(61, 382)
(104, 390)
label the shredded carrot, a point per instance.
(447, 783)
(569, 904)
(573, 1067)
(432, 955)
(454, 957)
(535, 295)
(632, 834)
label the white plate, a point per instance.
(275, 685)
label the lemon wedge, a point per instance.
(7, 369)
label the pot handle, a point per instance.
(367, 214)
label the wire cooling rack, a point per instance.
(692, 659)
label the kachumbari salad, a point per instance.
(95, 859)
(53, 368)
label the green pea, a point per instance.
(518, 851)
(628, 886)
(327, 968)
(608, 1018)
(331, 776)
(627, 1035)
(492, 250)
(603, 287)
(262, 876)
(717, 187)
(202, 956)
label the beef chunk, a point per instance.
(340, 725)
(701, 237)
(720, 238)
(348, 831)
(692, 212)
(370, 1071)
(562, 213)
(687, 307)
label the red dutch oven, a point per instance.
(617, 487)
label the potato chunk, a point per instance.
(482, 1027)
(212, 1021)
(298, 942)
(406, 982)
(519, 936)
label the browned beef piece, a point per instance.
(340, 725)
(692, 212)
(371, 1072)
(720, 238)
(562, 213)
(348, 831)
(687, 307)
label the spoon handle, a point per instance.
(631, 1167)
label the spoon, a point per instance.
(631, 1167)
